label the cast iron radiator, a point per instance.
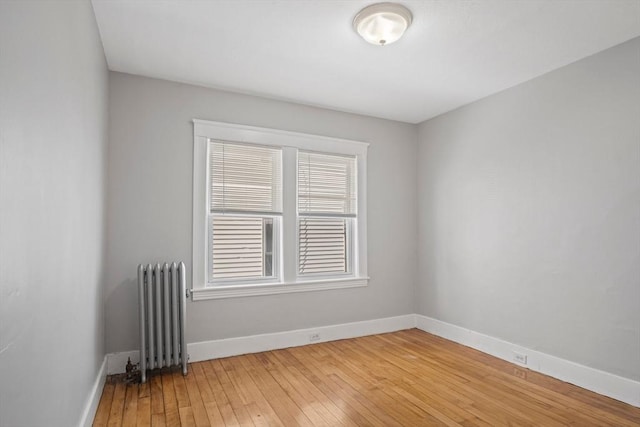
(162, 296)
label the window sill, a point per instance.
(276, 288)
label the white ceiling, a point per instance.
(455, 52)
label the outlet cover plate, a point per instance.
(520, 358)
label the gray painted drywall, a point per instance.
(53, 123)
(529, 213)
(150, 208)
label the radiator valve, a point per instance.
(132, 371)
(130, 366)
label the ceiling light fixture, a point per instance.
(382, 23)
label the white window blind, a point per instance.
(245, 178)
(326, 208)
(326, 184)
(237, 247)
(241, 247)
(322, 245)
(245, 200)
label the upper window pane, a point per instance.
(326, 184)
(245, 178)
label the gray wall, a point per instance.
(53, 123)
(150, 208)
(529, 213)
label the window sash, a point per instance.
(244, 178)
(239, 250)
(327, 184)
(325, 246)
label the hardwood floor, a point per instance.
(406, 378)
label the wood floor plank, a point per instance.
(313, 410)
(475, 387)
(130, 405)
(172, 416)
(259, 408)
(117, 405)
(427, 397)
(158, 420)
(186, 417)
(208, 398)
(104, 407)
(551, 405)
(405, 378)
(219, 396)
(607, 404)
(408, 412)
(235, 400)
(333, 414)
(305, 371)
(342, 389)
(285, 408)
(180, 388)
(144, 390)
(195, 398)
(468, 383)
(158, 415)
(377, 390)
(144, 411)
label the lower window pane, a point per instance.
(322, 245)
(241, 247)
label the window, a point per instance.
(326, 212)
(276, 212)
(245, 196)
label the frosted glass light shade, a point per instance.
(382, 23)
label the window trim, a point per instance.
(290, 281)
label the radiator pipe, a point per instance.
(152, 355)
(143, 337)
(158, 323)
(183, 321)
(167, 315)
(175, 314)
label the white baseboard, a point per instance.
(265, 342)
(214, 349)
(91, 405)
(601, 382)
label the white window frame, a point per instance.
(290, 142)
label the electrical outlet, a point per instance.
(314, 337)
(519, 358)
